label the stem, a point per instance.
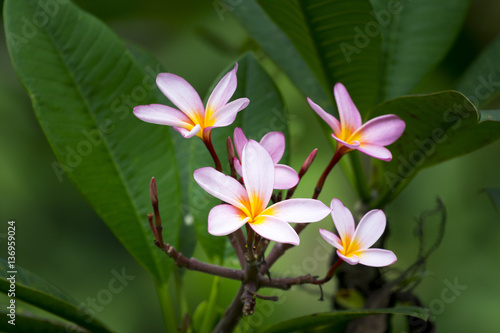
(233, 313)
(321, 181)
(167, 308)
(237, 249)
(330, 273)
(196, 265)
(207, 140)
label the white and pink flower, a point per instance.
(248, 204)
(354, 244)
(274, 142)
(350, 133)
(192, 118)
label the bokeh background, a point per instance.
(61, 239)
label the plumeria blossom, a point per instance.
(249, 204)
(369, 138)
(353, 246)
(192, 118)
(274, 142)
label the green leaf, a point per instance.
(278, 47)
(481, 81)
(335, 40)
(331, 319)
(416, 37)
(494, 194)
(83, 84)
(439, 127)
(264, 114)
(32, 324)
(36, 291)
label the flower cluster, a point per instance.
(247, 196)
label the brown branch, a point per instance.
(285, 283)
(196, 265)
(237, 249)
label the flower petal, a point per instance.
(351, 260)
(350, 119)
(223, 91)
(352, 145)
(225, 219)
(226, 115)
(298, 210)
(343, 220)
(376, 257)
(332, 239)
(188, 133)
(328, 118)
(275, 229)
(237, 166)
(274, 143)
(284, 177)
(258, 174)
(375, 151)
(369, 229)
(381, 131)
(240, 140)
(182, 94)
(222, 187)
(162, 115)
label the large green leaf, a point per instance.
(336, 40)
(439, 127)
(333, 319)
(416, 37)
(277, 45)
(481, 81)
(264, 114)
(83, 84)
(34, 290)
(29, 323)
(494, 194)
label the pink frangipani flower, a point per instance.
(274, 142)
(369, 138)
(249, 204)
(353, 246)
(192, 118)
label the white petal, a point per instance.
(222, 187)
(369, 229)
(284, 177)
(328, 118)
(381, 131)
(258, 174)
(162, 115)
(225, 219)
(188, 133)
(375, 151)
(240, 140)
(352, 145)
(343, 220)
(224, 90)
(332, 239)
(376, 257)
(275, 229)
(274, 143)
(298, 210)
(226, 115)
(350, 118)
(351, 260)
(182, 94)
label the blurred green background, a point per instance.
(61, 239)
